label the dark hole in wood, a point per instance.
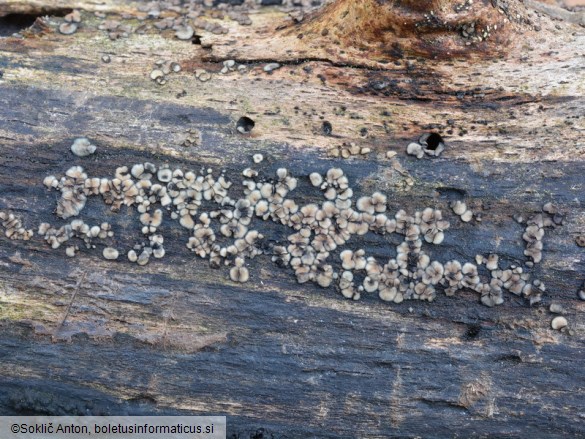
(229, 2)
(13, 23)
(452, 193)
(558, 219)
(512, 358)
(473, 331)
(196, 39)
(327, 128)
(142, 399)
(260, 434)
(245, 125)
(433, 141)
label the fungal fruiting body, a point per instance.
(71, 251)
(239, 273)
(431, 144)
(184, 32)
(76, 229)
(555, 308)
(71, 23)
(13, 227)
(227, 234)
(559, 323)
(228, 66)
(535, 229)
(110, 253)
(82, 147)
(163, 68)
(415, 149)
(460, 208)
(270, 67)
(347, 149)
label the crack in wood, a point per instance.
(168, 315)
(75, 291)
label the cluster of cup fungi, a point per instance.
(13, 227)
(224, 234)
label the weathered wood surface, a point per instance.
(89, 336)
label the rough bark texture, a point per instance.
(88, 336)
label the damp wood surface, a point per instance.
(85, 335)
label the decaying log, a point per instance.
(501, 81)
